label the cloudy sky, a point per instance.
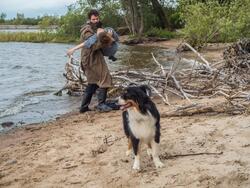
(34, 8)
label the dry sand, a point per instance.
(88, 150)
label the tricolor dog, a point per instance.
(141, 123)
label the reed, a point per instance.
(38, 37)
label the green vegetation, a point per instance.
(156, 32)
(35, 37)
(215, 21)
(199, 21)
(21, 20)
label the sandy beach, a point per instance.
(88, 150)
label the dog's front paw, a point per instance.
(128, 152)
(136, 166)
(159, 164)
(149, 152)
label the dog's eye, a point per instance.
(125, 96)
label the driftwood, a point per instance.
(226, 78)
(238, 54)
(193, 109)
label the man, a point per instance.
(94, 66)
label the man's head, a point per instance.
(93, 16)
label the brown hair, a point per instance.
(93, 12)
(105, 39)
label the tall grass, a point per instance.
(38, 37)
(156, 32)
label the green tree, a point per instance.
(70, 24)
(19, 19)
(48, 21)
(2, 17)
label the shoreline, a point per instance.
(212, 52)
(88, 150)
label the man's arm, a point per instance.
(90, 41)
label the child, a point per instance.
(108, 39)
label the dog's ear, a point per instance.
(146, 89)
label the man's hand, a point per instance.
(110, 32)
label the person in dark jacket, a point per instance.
(94, 66)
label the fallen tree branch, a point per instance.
(200, 56)
(194, 109)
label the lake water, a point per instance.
(31, 72)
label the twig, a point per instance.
(166, 156)
(199, 55)
(180, 88)
(161, 67)
(159, 94)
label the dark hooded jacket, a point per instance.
(93, 62)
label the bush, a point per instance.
(214, 22)
(70, 24)
(156, 32)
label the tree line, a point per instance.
(20, 19)
(198, 21)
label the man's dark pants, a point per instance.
(101, 96)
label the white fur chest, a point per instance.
(142, 126)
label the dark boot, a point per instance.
(101, 96)
(89, 91)
(113, 58)
(113, 104)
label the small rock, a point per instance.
(11, 162)
(7, 124)
(81, 154)
(1, 175)
(69, 166)
(114, 163)
(124, 160)
(32, 128)
(75, 182)
(103, 163)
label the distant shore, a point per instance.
(6, 27)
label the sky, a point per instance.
(34, 8)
